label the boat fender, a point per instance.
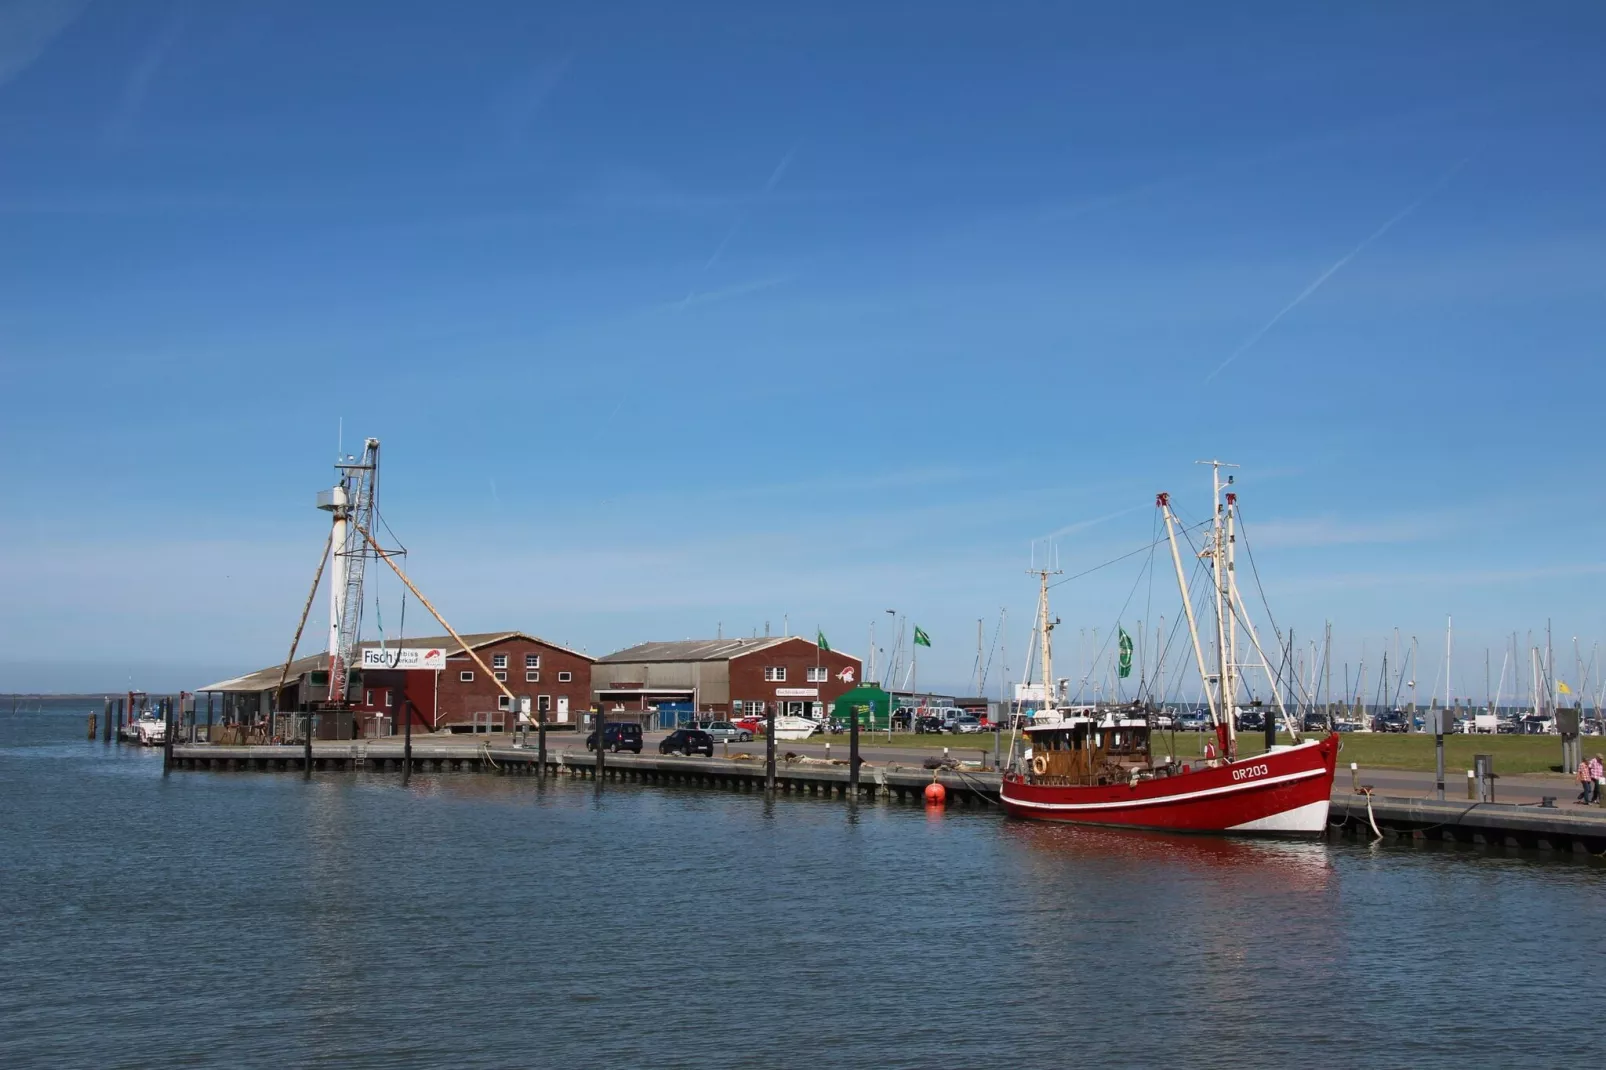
(1039, 765)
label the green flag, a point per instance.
(921, 638)
(1126, 653)
(819, 640)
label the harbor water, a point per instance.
(217, 919)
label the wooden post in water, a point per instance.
(118, 735)
(540, 740)
(107, 736)
(769, 749)
(209, 716)
(853, 752)
(600, 721)
(306, 745)
(407, 741)
(167, 736)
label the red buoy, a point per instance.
(936, 794)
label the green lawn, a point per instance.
(1414, 751)
(1375, 750)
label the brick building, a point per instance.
(725, 676)
(557, 680)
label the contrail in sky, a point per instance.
(736, 225)
(1336, 266)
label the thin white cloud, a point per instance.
(711, 297)
(1083, 525)
(26, 29)
(137, 86)
(1317, 531)
(1334, 268)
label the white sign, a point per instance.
(407, 657)
(797, 692)
(1028, 692)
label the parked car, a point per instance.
(1251, 721)
(926, 725)
(1315, 722)
(724, 731)
(754, 726)
(688, 741)
(1164, 722)
(617, 736)
(1392, 721)
(1194, 721)
(966, 725)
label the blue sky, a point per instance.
(677, 318)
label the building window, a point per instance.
(368, 698)
(543, 703)
(752, 709)
(565, 677)
(502, 676)
(532, 677)
(532, 661)
(819, 674)
(466, 676)
(498, 661)
(502, 702)
(775, 673)
(384, 698)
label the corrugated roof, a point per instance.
(693, 649)
(268, 678)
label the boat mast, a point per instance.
(1163, 500)
(1254, 639)
(1226, 686)
(1045, 630)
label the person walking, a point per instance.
(1586, 784)
(1597, 773)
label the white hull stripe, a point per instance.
(1312, 817)
(1164, 800)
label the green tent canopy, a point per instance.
(874, 706)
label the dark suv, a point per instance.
(924, 725)
(688, 741)
(617, 737)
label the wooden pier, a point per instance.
(806, 776)
(1568, 829)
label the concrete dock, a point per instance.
(1393, 817)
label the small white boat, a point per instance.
(147, 731)
(795, 728)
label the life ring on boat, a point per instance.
(1039, 764)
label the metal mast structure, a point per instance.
(350, 503)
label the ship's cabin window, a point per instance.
(1063, 739)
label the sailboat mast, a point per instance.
(1163, 500)
(1232, 617)
(1046, 648)
(1449, 648)
(1218, 574)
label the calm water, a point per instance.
(255, 920)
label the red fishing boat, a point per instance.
(1084, 765)
(1102, 772)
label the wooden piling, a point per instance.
(306, 746)
(853, 752)
(407, 742)
(601, 724)
(540, 741)
(167, 736)
(107, 736)
(769, 750)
